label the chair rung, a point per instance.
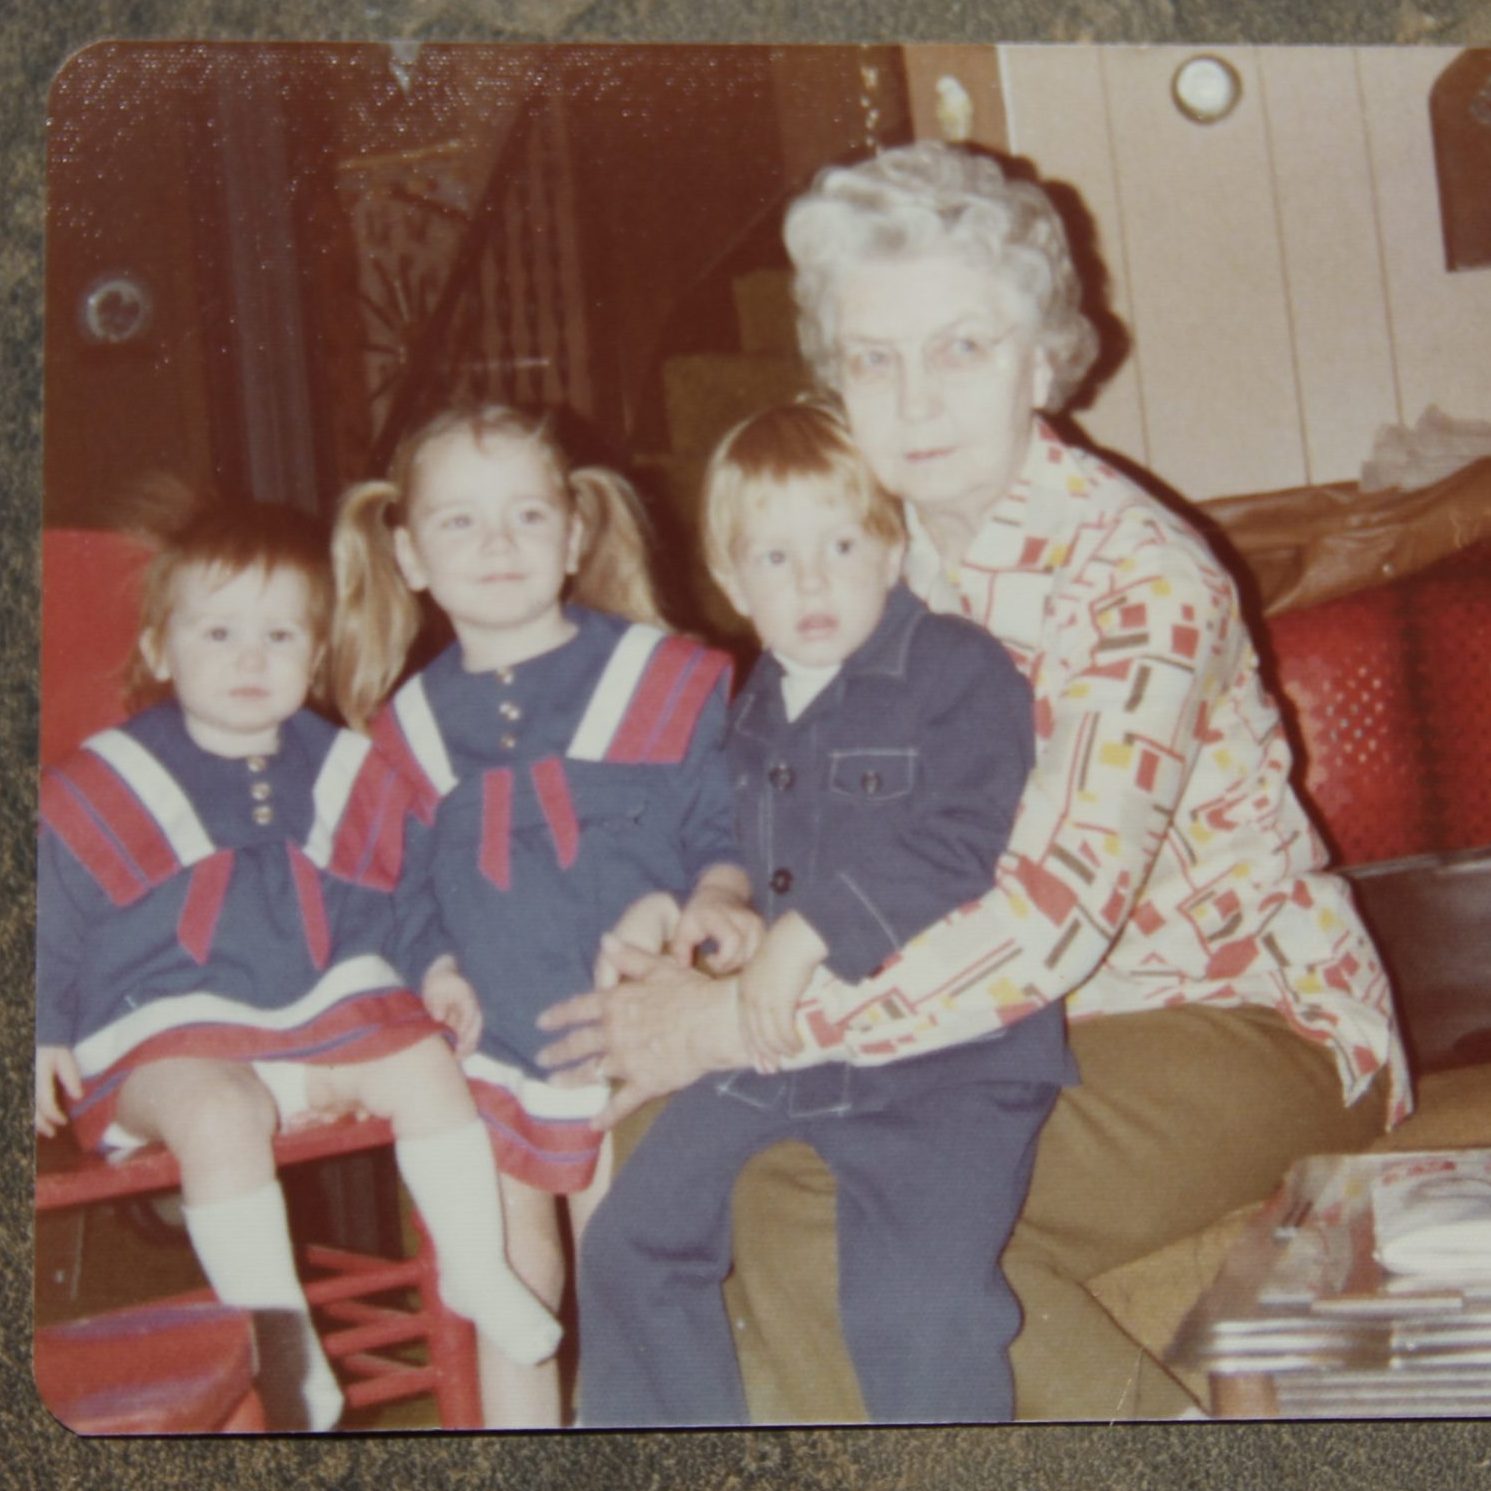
(345, 1286)
(346, 1261)
(362, 1312)
(342, 1283)
(375, 1335)
(379, 1380)
(89, 1178)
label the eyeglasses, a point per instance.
(948, 355)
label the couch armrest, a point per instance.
(1430, 915)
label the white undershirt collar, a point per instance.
(802, 684)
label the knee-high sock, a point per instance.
(452, 1178)
(243, 1245)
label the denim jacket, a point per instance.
(887, 802)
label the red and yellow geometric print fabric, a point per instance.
(1160, 855)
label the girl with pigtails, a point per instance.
(565, 752)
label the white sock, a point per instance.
(452, 1179)
(243, 1245)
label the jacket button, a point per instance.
(263, 814)
(870, 781)
(781, 776)
(781, 881)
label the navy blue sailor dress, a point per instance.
(190, 904)
(556, 793)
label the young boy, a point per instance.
(878, 753)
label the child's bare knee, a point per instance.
(222, 1110)
(421, 1088)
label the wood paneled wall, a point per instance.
(1281, 272)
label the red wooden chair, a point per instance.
(360, 1299)
(152, 1369)
(357, 1298)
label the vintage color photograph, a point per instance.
(760, 735)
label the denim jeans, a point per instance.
(931, 1156)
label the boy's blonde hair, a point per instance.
(227, 539)
(803, 442)
(377, 616)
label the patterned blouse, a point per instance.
(1160, 855)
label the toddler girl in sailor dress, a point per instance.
(215, 959)
(565, 752)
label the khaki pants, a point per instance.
(1183, 1114)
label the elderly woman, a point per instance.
(1227, 1010)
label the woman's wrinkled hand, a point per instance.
(662, 1027)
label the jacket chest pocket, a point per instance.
(872, 776)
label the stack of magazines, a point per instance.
(1362, 1290)
(1431, 1215)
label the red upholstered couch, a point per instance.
(1388, 691)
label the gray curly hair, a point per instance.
(932, 197)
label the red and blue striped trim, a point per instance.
(355, 1030)
(495, 856)
(554, 1155)
(205, 894)
(111, 833)
(665, 707)
(552, 787)
(388, 737)
(367, 845)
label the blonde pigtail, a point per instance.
(614, 574)
(376, 618)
